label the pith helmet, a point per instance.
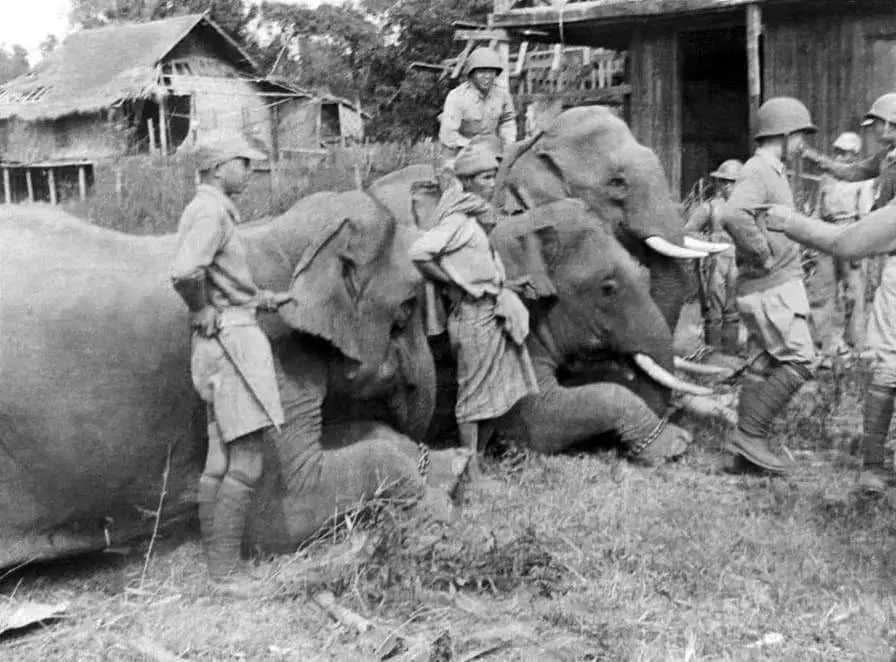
(729, 170)
(883, 108)
(473, 159)
(217, 147)
(483, 58)
(781, 116)
(848, 142)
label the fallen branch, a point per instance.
(327, 601)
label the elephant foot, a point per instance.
(671, 443)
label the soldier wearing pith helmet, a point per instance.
(771, 298)
(231, 363)
(480, 106)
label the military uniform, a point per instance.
(468, 113)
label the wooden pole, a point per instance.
(51, 182)
(29, 184)
(754, 74)
(118, 186)
(7, 193)
(82, 183)
(152, 136)
(163, 127)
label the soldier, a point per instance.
(841, 203)
(232, 366)
(873, 235)
(722, 323)
(771, 297)
(488, 323)
(480, 106)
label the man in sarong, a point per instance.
(488, 323)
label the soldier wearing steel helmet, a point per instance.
(722, 323)
(839, 285)
(771, 297)
(231, 363)
(873, 235)
(480, 106)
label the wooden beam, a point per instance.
(462, 60)
(163, 127)
(82, 183)
(496, 34)
(754, 74)
(7, 192)
(152, 136)
(51, 183)
(29, 184)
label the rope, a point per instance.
(652, 436)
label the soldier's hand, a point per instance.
(272, 301)
(778, 217)
(205, 321)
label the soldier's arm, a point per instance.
(873, 235)
(507, 129)
(200, 240)
(452, 116)
(749, 237)
(851, 172)
(698, 219)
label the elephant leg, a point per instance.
(560, 417)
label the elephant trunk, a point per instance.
(412, 402)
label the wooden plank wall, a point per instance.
(826, 59)
(656, 96)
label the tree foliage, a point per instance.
(13, 62)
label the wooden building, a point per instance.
(697, 70)
(141, 88)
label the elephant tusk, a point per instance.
(709, 408)
(667, 248)
(701, 369)
(665, 378)
(708, 246)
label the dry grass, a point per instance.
(573, 558)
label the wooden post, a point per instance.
(118, 186)
(29, 184)
(51, 182)
(7, 193)
(152, 136)
(82, 183)
(754, 74)
(163, 127)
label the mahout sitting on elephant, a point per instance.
(97, 392)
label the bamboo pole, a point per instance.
(82, 183)
(163, 127)
(118, 186)
(29, 184)
(7, 193)
(754, 74)
(51, 183)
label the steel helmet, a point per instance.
(729, 170)
(781, 116)
(883, 108)
(848, 142)
(483, 58)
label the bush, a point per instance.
(146, 194)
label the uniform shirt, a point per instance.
(208, 242)
(764, 259)
(468, 113)
(845, 201)
(459, 245)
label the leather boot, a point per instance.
(206, 499)
(877, 413)
(224, 563)
(762, 399)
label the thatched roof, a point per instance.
(96, 69)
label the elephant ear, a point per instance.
(324, 285)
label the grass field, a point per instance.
(567, 558)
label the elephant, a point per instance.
(97, 397)
(589, 154)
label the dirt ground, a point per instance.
(566, 558)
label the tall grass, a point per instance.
(146, 194)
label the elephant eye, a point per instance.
(617, 182)
(349, 278)
(609, 287)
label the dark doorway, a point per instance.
(715, 115)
